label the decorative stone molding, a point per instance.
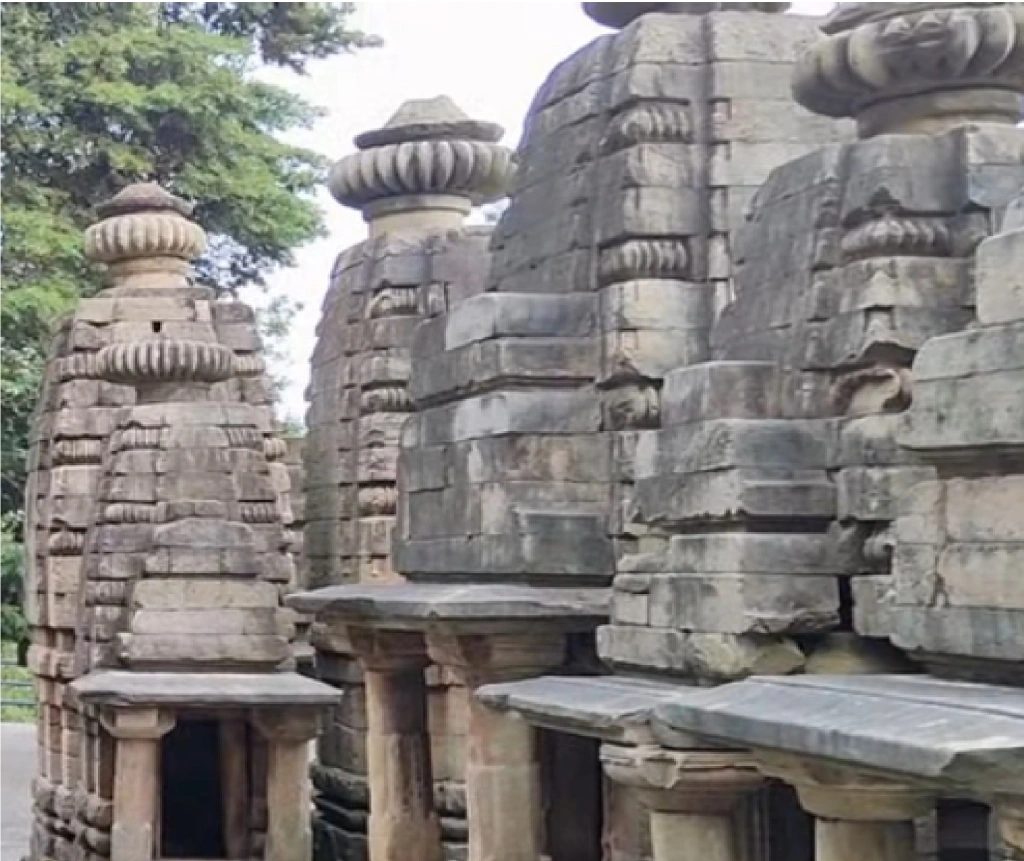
(428, 148)
(66, 543)
(129, 512)
(245, 437)
(643, 258)
(166, 362)
(84, 450)
(648, 122)
(77, 366)
(632, 406)
(894, 235)
(882, 61)
(250, 365)
(136, 439)
(386, 399)
(274, 448)
(394, 302)
(378, 500)
(867, 391)
(259, 512)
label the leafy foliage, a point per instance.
(13, 624)
(98, 95)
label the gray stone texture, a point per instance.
(968, 736)
(959, 537)
(639, 155)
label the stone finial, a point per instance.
(916, 67)
(619, 15)
(145, 238)
(429, 156)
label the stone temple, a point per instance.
(677, 516)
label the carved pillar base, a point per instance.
(403, 825)
(695, 798)
(503, 793)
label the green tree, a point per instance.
(98, 95)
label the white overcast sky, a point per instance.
(490, 56)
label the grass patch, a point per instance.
(10, 712)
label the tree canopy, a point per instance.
(98, 95)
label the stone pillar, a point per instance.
(1009, 816)
(503, 791)
(856, 816)
(289, 807)
(133, 834)
(403, 825)
(698, 800)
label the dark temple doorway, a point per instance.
(191, 811)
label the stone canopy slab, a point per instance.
(127, 689)
(610, 708)
(917, 728)
(420, 606)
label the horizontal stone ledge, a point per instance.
(924, 729)
(420, 606)
(610, 708)
(121, 688)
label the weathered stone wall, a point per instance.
(381, 289)
(955, 597)
(772, 487)
(639, 155)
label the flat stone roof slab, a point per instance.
(915, 727)
(611, 708)
(420, 605)
(122, 688)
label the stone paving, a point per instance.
(17, 766)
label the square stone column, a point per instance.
(857, 816)
(133, 833)
(696, 799)
(403, 825)
(288, 733)
(503, 791)
(1009, 814)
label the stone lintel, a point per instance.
(459, 609)
(962, 736)
(609, 708)
(685, 781)
(120, 689)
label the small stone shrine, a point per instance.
(415, 180)
(171, 723)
